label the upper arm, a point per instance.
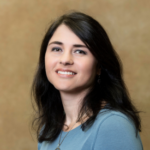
(117, 133)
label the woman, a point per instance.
(82, 100)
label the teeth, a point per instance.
(61, 72)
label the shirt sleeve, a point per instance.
(39, 145)
(117, 133)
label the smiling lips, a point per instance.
(65, 73)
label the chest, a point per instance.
(76, 140)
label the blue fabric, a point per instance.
(111, 130)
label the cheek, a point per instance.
(88, 68)
(49, 65)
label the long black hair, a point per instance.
(111, 88)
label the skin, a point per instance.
(63, 54)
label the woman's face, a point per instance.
(69, 64)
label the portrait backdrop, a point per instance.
(22, 27)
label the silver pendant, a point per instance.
(57, 148)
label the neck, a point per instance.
(72, 104)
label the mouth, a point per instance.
(66, 74)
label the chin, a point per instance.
(62, 88)
(67, 90)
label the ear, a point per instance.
(98, 69)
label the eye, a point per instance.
(80, 52)
(56, 49)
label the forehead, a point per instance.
(64, 34)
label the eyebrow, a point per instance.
(60, 43)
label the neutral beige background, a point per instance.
(22, 26)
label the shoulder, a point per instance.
(110, 121)
(111, 117)
(115, 129)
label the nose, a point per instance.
(66, 59)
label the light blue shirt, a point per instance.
(112, 130)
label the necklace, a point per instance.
(63, 138)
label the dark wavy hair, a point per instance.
(50, 113)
